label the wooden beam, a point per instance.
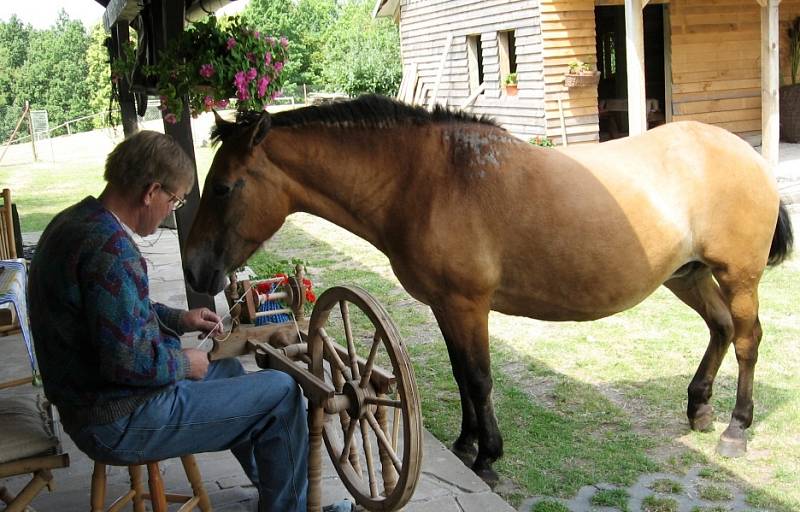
(634, 45)
(770, 81)
(169, 16)
(121, 10)
(130, 121)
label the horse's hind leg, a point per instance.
(740, 289)
(701, 293)
(464, 324)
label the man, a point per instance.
(111, 359)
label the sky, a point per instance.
(42, 13)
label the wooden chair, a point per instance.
(29, 443)
(8, 242)
(157, 496)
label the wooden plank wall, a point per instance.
(568, 33)
(716, 62)
(424, 27)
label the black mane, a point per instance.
(367, 111)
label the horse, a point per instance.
(474, 219)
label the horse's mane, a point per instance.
(367, 111)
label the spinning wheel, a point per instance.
(372, 427)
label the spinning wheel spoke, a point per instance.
(331, 353)
(348, 334)
(370, 360)
(383, 442)
(383, 400)
(395, 428)
(373, 484)
(348, 439)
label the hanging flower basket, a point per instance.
(581, 79)
(212, 62)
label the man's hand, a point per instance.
(201, 319)
(198, 363)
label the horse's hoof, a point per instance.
(732, 446)
(703, 420)
(488, 475)
(465, 453)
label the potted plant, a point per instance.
(511, 84)
(581, 74)
(212, 62)
(790, 94)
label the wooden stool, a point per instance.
(157, 496)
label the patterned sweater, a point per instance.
(103, 347)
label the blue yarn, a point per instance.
(272, 305)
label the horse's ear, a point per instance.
(260, 131)
(222, 128)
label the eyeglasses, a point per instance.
(177, 202)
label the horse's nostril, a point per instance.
(190, 278)
(221, 190)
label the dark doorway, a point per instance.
(612, 91)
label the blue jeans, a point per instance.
(259, 416)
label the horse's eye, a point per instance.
(221, 190)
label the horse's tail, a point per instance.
(783, 239)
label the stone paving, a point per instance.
(445, 485)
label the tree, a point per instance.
(304, 22)
(14, 37)
(362, 54)
(98, 80)
(53, 77)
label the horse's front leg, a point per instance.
(464, 324)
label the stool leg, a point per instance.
(157, 496)
(98, 487)
(196, 481)
(137, 485)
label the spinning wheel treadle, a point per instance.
(372, 429)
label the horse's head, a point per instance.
(243, 203)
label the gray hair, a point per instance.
(148, 157)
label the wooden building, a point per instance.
(659, 60)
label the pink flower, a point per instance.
(267, 59)
(256, 34)
(222, 103)
(239, 79)
(251, 74)
(278, 66)
(207, 70)
(208, 102)
(250, 57)
(243, 94)
(263, 83)
(170, 118)
(284, 41)
(231, 43)
(271, 40)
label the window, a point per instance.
(507, 46)
(475, 62)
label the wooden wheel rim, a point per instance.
(411, 458)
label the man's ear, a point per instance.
(260, 130)
(149, 193)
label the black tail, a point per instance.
(782, 240)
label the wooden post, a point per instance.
(30, 131)
(634, 43)
(130, 122)
(169, 17)
(770, 81)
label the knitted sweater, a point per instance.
(103, 347)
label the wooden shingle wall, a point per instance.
(568, 34)
(424, 29)
(716, 61)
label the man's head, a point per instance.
(150, 174)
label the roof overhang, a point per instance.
(386, 8)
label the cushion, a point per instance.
(24, 428)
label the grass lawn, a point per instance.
(578, 403)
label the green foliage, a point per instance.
(654, 504)
(362, 55)
(577, 67)
(511, 79)
(98, 80)
(542, 141)
(549, 506)
(304, 23)
(55, 80)
(714, 492)
(14, 38)
(665, 485)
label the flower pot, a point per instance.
(582, 79)
(511, 89)
(790, 113)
